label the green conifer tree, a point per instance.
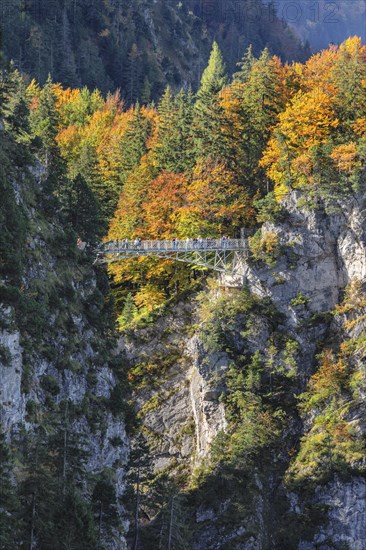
(128, 312)
(208, 112)
(81, 209)
(10, 505)
(44, 123)
(174, 151)
(133, 145)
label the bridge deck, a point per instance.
(218, 254)
(190, 245)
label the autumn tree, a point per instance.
(251, 105)
(216, 203)
(318, 141)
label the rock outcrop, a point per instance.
(318, 254)
(58, 364)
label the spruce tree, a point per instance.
(133, 144)
(105, 505)
(214, 76)
(128, 312)
(208, 111)
(139, 475)
(174, 151)
(44, 123)
(245, 66)
(39, 490)
(81, 209)
(13, 155)
(255, 102)
(16, 111)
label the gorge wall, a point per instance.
(253, 450)
(61, 417)
(270, 494)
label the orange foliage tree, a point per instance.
(320, 135)
(216, 202)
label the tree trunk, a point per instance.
(100, 520)
(31, 539)
(171, 524)
(135, 546)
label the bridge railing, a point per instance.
(187, 245)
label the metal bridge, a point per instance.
(223, 255)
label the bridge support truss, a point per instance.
(224, 256)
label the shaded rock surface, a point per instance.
(319, 254)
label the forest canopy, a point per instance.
(210, 163)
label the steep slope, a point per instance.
(324, 23)
(217, 386)
(137, 46)
(63, 437)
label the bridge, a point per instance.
(223, 255)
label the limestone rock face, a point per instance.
(12, 404)
(64, 363)
(346, 517)
(208, 412)
(319, 254)
(183, 413)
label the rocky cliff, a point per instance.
(268, 454)
(60, 411)
(249, 397)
